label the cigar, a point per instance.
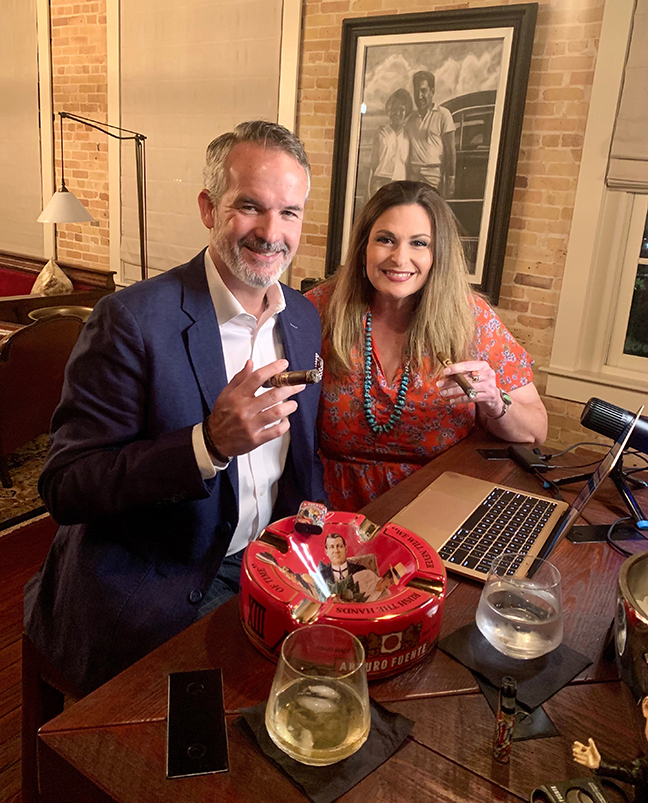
(460, 379)
(310, 377)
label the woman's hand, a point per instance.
(483, 380)
(523, 421)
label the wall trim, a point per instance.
(48, 178)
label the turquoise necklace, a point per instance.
(376, 428)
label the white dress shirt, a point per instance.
(340, 572)
(246, 338)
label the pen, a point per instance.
(505, 720)
(460, 379)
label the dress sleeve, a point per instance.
(496, 345)
(319, 296)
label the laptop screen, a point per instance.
(604, 468)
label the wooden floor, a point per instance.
(21, 554)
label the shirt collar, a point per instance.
(227, 305)
(429, 111)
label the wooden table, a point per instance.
(110, 746)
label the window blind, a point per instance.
(628, 163)
(20, 165)
(190, 70)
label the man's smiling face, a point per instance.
(255, 228)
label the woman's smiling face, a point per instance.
(399, 251)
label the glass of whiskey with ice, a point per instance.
(318, 710)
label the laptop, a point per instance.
(469, 521)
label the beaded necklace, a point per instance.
(376, 428)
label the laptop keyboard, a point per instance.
(504, 522)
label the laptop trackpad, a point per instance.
(443, 506)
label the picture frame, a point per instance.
(479, 59)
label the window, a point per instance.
(599, 344)
(629, 338)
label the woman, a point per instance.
(403, 296)
(390, 145)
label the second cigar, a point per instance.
(460, 379)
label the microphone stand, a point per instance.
(616, 475)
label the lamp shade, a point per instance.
(65, 207)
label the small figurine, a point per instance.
(632, 772)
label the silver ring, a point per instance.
(474, 376)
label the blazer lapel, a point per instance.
(204, 344)
(298, 351)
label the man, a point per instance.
(339, 568)
(167, 456)
(430, 130)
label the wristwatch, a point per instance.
(507, 401)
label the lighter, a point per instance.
(460, 379)
(505, 720)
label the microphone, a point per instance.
(612, 421)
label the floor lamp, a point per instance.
(65, 207)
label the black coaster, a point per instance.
(325, 784)
(534, 724)
(538, 679)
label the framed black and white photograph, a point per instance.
(435, 97)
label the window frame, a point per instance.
(578, 367)
(630, 261)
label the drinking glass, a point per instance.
(521, 616)
(318, 709)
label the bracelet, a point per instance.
(209, 443)
(506, 401)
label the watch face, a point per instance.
(506, 398)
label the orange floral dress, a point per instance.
(360, 465)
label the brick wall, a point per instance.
(562, 69)
(79, 78)
(561, 76)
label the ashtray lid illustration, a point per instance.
(386, 585)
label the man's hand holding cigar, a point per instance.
(243, 418)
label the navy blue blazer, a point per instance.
(143, 534)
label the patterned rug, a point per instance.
(22, 502)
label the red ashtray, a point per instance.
(385, 585)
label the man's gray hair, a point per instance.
(259, 132)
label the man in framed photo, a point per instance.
(430, 131)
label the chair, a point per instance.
(32, 364)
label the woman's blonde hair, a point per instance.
(442, 319)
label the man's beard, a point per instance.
(231, 256)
